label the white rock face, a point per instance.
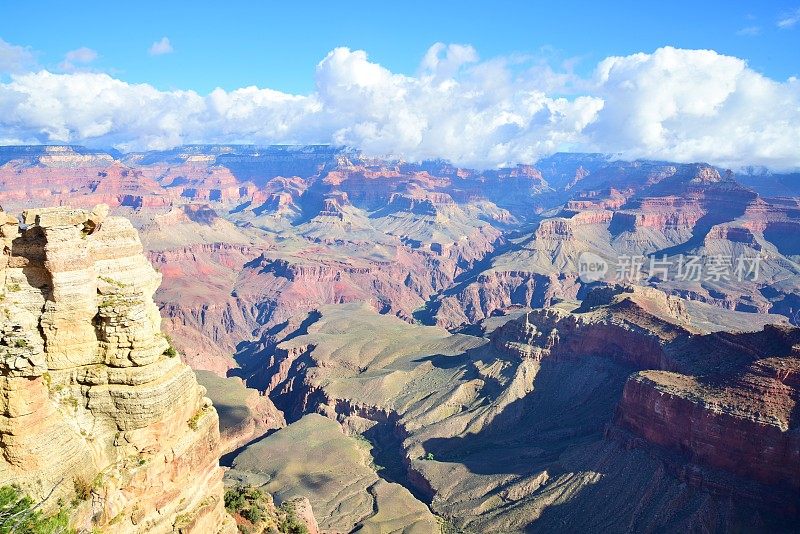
(90, 394)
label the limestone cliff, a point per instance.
(95, 408)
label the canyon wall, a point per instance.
(96, 409)
(722, 405)
(674, 411)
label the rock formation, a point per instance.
(97, 409)
(425, 241)
(667, 215)
(244, 414)
(298, 278)
(334, 472)
(631, 410)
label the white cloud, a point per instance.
(790, 20)
(683, 105)
(75, 58)
(15, 58)
(476, 115)
(696, 105)
(749, 31)
(160, 47)
(81, 55)
(444, 67)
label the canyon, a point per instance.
(427, 329)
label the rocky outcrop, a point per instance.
(244, 414)
(273, 287)
(518, 433)
(667, 215)
(732, 407)
(683, 413)
(718, 404)
(496, 290)
(96, 409)
(619, 323)
(334, 475)
(419, 206)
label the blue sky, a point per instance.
(277, 44)
(482, 84)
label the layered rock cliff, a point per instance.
(537, 428)
(733, 408)
(717, 404)
(96, 409)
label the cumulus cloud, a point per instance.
(683, 105)
(74, 59)
(696, 105)
(160, 47)
(443, 61)
(14, 58)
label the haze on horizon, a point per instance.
(479, 87)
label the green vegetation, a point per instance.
(256, 509)
(370, 447)
(182, 520)
(18, 513)
(14, 287)
(98, 481)
(170, 350)
(328, 454)
(446, 526)
(111, 301)
(238, 497)
(362, 439)
(185, 519)
(253, 514)
(83, 489)
(428, 456)
(113, 282)
(120, 300)
(193, 420)
(290, 523)
(247, 502)
(21, 343)
(70, 401)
